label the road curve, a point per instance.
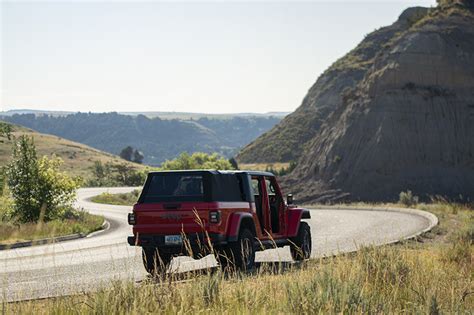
(88, 263)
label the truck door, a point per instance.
(261, 204)
(276, 206)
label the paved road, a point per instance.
(85, 264)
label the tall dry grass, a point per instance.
(430, 277)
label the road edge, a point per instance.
(430, 217)
(58, 239)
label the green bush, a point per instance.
(5, 130)
(38, 188)
(111, 175)
(3, 180)
(198, 160)
(283, 171)
(408, 199)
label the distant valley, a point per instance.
(157, 138)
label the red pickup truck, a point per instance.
(231, 214)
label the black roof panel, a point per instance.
(255, 173)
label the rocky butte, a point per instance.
(394, 114)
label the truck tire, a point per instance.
(301, 244)
(240, 254)
(154, 262)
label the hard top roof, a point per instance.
(254, 173)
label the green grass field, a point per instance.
(430, 276)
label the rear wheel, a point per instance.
(240, 254)
(301, 247)
(154, 262)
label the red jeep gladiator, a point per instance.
(231, 214)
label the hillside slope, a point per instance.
(78, 158)
(407, 123)
(288, 139)
(158, 139)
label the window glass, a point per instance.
(270, 189)
(227, 187)
(174, 187)
(255, 189)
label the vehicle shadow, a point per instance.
(261, 268)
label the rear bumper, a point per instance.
(195, 240)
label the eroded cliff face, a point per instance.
(408, 124)
(288, 139)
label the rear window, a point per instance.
(182, 187)
(174, 187)
(227, 187)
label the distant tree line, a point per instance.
(122, 174)
(156, 139)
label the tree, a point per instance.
(23, 180)
(57, 191)
(39, 189)
(5, 130)
(127, 176)
(127, 153)
(234, 163)
(138, 157)
(2, 180)
(197, 160)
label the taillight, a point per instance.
(131, 219)
(215, 216)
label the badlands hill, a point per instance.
(394, 114)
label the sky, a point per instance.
(211, 57)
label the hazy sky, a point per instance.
(216, 57)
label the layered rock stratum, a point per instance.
(394, 114)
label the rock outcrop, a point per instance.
(400, 117)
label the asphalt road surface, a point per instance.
(89, 263)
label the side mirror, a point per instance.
(289, 199)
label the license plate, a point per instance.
(173, 240)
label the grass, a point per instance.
(263, 166)
(431, 276)
(72, 223)
(123, 199)
(78, 158)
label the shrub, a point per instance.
(110, 174)
(197, 160)
(2, 180)
(5, 130)
(408, 199)
(283, 171)
(38, 188)
(56, 189)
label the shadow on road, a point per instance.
(261, 268)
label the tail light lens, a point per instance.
(215, 216)
(132, 220)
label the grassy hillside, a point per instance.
(78, 158)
